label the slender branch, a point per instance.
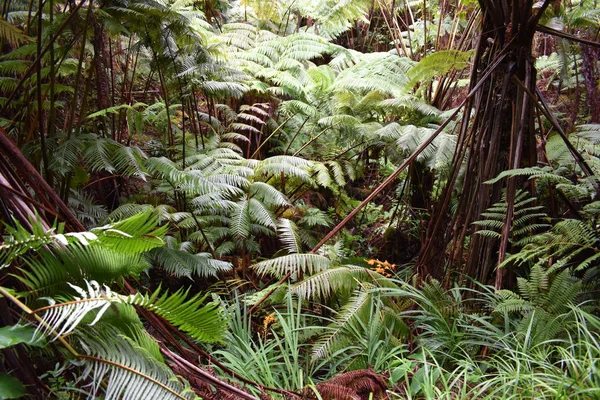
(554, 32)
(206, 376)
(389, 179)
(271, 135)
(543, 106)
(31, 175)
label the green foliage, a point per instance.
(99, 327)
(544, 302)
(438, 64)
(12, 335)
(11, 387)
(524, 223)
(128, 370)
(570, 243)
(275, 358)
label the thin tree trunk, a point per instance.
(100, 65)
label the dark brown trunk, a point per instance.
(499, 136)
(591, 76)
(101, 69)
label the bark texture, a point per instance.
(499, 135)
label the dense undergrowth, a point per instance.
(315, 200)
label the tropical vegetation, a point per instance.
(325, 199)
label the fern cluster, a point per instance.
(99, 327)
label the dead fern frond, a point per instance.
(353, 385)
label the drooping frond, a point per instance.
(183, 263)
(438, 64)
(570, 242)
(289, 236)
(102, 263)
(357, 308)
(531, 172)
(332, 280)
(293, 167)
(133, 235)
(267, 194)
(383, 72)
(128, 371)
(294, 264)
(407, 138)
(527, 219)
(13, 35)
(203, 322)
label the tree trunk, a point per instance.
(101, 66)
(498, 136)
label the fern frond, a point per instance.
(204, 322)
(104, 264)
(128, 370)
(531, 172)
(333, 280)
(260, 214)
(240, 220)
(13, 35)
(438, 64)
(357, 308)
(289, 235)
(295, 264)
(267, 194)
(133, 235)
(288, 165)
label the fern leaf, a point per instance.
(295, 264)
(128, 371)
(289, 235)
(357, 308)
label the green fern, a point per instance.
(335, 336)
(438, 64)
(179, 260)
(570, 243)
(294, 264)
(126, 369)
(12, 35)
(544, 303)
(203, 322)
(525, 213)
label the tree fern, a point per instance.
(203, 322)
(438, 64)
(288, 233)
(340, 279)
(179, 260)
(569, 243)
(532, 172)
(407, 138)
